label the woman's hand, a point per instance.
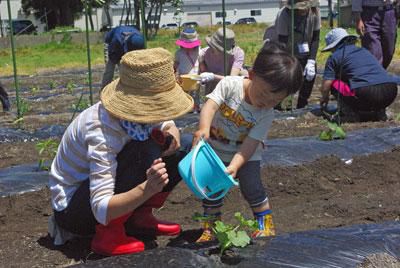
(157, 177)
(172, 131)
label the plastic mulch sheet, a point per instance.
(336, 247)
(294, 151)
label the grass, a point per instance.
(59, 55)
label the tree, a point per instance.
(59, 12)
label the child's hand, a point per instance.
(201, 133)
(232, 170)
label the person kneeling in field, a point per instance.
(362, 86)
(236, 119)
(108, 172)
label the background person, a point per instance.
(236, 119)
(307, 24)
(119, 41)
(211, 59)
(377, 26)
(187, 59)
(363, 88)
(4, 98)
(108, 172)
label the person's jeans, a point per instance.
(133, 161)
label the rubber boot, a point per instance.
(111, 239)
(143, 221)
(265, 224)
(207, 224)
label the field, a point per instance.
(321, 194)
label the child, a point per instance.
(307, 24)
(186, 59)
(363, 87)
(108, 174)
(236, 119)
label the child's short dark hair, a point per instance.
(278, 68)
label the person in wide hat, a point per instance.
(108, 173)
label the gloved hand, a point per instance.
(309, 70)
(206, 77)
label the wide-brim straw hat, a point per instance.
(188, 39)
(146, 91)
(216, 41)
(334, 36)
(302, 5)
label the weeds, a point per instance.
(47, 150)
(52, 84)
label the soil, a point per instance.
(324, 193)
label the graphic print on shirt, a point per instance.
(233, 120)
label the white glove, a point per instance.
(207, 77)
(309, 70)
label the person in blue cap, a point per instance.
(362, 86)
(118, 41)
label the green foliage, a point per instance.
(70, 87)
(234, 235)
(47, 150)
(334, 132)
(52, 84)
(81, 105)
(24, 107)
(35, 90)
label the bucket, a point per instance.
(190, 82)
(204, 173)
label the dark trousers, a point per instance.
(380, 33)
(133, 161)
(306, 88)
(4, 98)
(371, 98)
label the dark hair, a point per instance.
(278, 68)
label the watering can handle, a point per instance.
(193, 169)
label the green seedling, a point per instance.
(24, 107)
(334, 132)
(287, 103)
(80, 106)
(231, 235)
(52, 84)
(35, 90)
(47, 150)
(70, 87)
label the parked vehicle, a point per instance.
(249, 20)
(190, 24)
(169, 26)
(227, 22)
(23, 27)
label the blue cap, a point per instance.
(134, 42)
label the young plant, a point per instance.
(334, 132)
(24, 107)
(231, 235)
(52, 84)
(234, 235)
(35, 90)
(70, 87)
(47, 150)
(80, 106)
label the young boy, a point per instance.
(235, 120)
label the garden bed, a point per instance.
(322, 194)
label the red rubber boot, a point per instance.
(111, 239)
(143, 221)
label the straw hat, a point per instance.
(188, 38)
(216, 41)
(146, 91)
(334, 36)
(302, 4)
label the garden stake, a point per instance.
(88, 53)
